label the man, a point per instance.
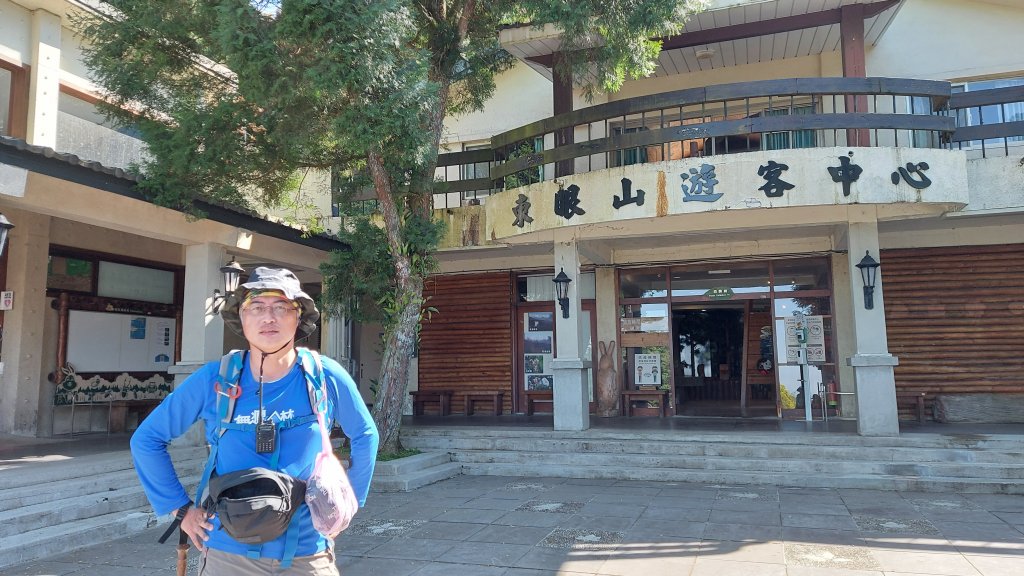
(271, 311)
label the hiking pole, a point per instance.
(182, 565)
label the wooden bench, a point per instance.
(629, 396)
(535, 396)
(918, 399)
(495, 398)
(421, 397)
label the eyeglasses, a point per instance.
(278, 310)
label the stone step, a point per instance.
(51, 488)
(926, 461)
(793, 466)
(52, 508)
(410, 464)
(83, 466)
(733, 477)
(412, 481)
(1008, 442)
(733, 448)
(70, 509)
(68, 537)
(412, 472)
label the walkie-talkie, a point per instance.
(265, 437)
(266, 432)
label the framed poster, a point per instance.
(538, 350)
(539, 382)
(540, 321)
(537, 343)
(648, 369)
(534, 363)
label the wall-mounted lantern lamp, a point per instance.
(232, 272)
(5, 227)
(562, 287)
(868, 273)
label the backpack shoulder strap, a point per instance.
(313, 369)
(227, 384)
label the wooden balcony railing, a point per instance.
(989, 121)
(725, 119)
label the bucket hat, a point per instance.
(281, 279)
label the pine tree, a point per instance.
(238, 100)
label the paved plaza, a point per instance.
(508, 526)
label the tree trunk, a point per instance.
(394, 369)
(400, 341)
(400, 338)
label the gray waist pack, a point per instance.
(255, 505)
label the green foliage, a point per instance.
(344, 452)
(787, 399)
(360, 275)
(385, 456)
(362, 282)
(523, 177)
(317, 86)
(605, 42)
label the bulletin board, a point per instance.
(114, 342)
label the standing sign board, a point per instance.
(807, 332)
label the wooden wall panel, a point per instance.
(955, 319)
(467, 344)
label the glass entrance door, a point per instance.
(708, 352)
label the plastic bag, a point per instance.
(329, 495)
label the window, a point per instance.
(789, 139)
(632, 155)
(84, 273)
(530, 175)
(474, 171)
(992, 114)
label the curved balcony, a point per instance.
(722, 119)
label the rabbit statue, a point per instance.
(607, 380)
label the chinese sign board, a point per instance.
(719, 294)
(807, 332)
(765, 179)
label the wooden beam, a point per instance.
(17, 108)
(851, 32)
(561, 95)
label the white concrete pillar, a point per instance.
(201, 328)
(336, 340)
(24, 376)
(872, 364)
(44, 79)
(571, 393)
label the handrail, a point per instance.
(728, 118)
(986, 97)
(723, 92)
(720, 128)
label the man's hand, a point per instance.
(196, 524)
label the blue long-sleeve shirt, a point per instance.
(284, 399)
